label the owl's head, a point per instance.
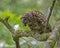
(34, 19)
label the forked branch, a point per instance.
(21, 33)
(5, 22)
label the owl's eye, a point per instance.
(49, 28)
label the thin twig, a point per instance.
(51, 9)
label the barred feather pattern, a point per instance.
(36, 21)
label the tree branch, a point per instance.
(37, 36)
(51, 9)
(16, 39)
(58, 43)
(53, 38)
(5, 22)
(40, 37)
(20, 33)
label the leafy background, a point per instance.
(15, 9)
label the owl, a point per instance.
(36, 21)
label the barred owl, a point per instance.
(36, 21)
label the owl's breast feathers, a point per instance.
(35, 20)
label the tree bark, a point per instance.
(58, 43)
(53, 38)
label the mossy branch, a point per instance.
(21, 33)
(53, 38)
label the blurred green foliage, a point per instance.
(13, 20)
(16, 8)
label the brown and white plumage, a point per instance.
(36, 21)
